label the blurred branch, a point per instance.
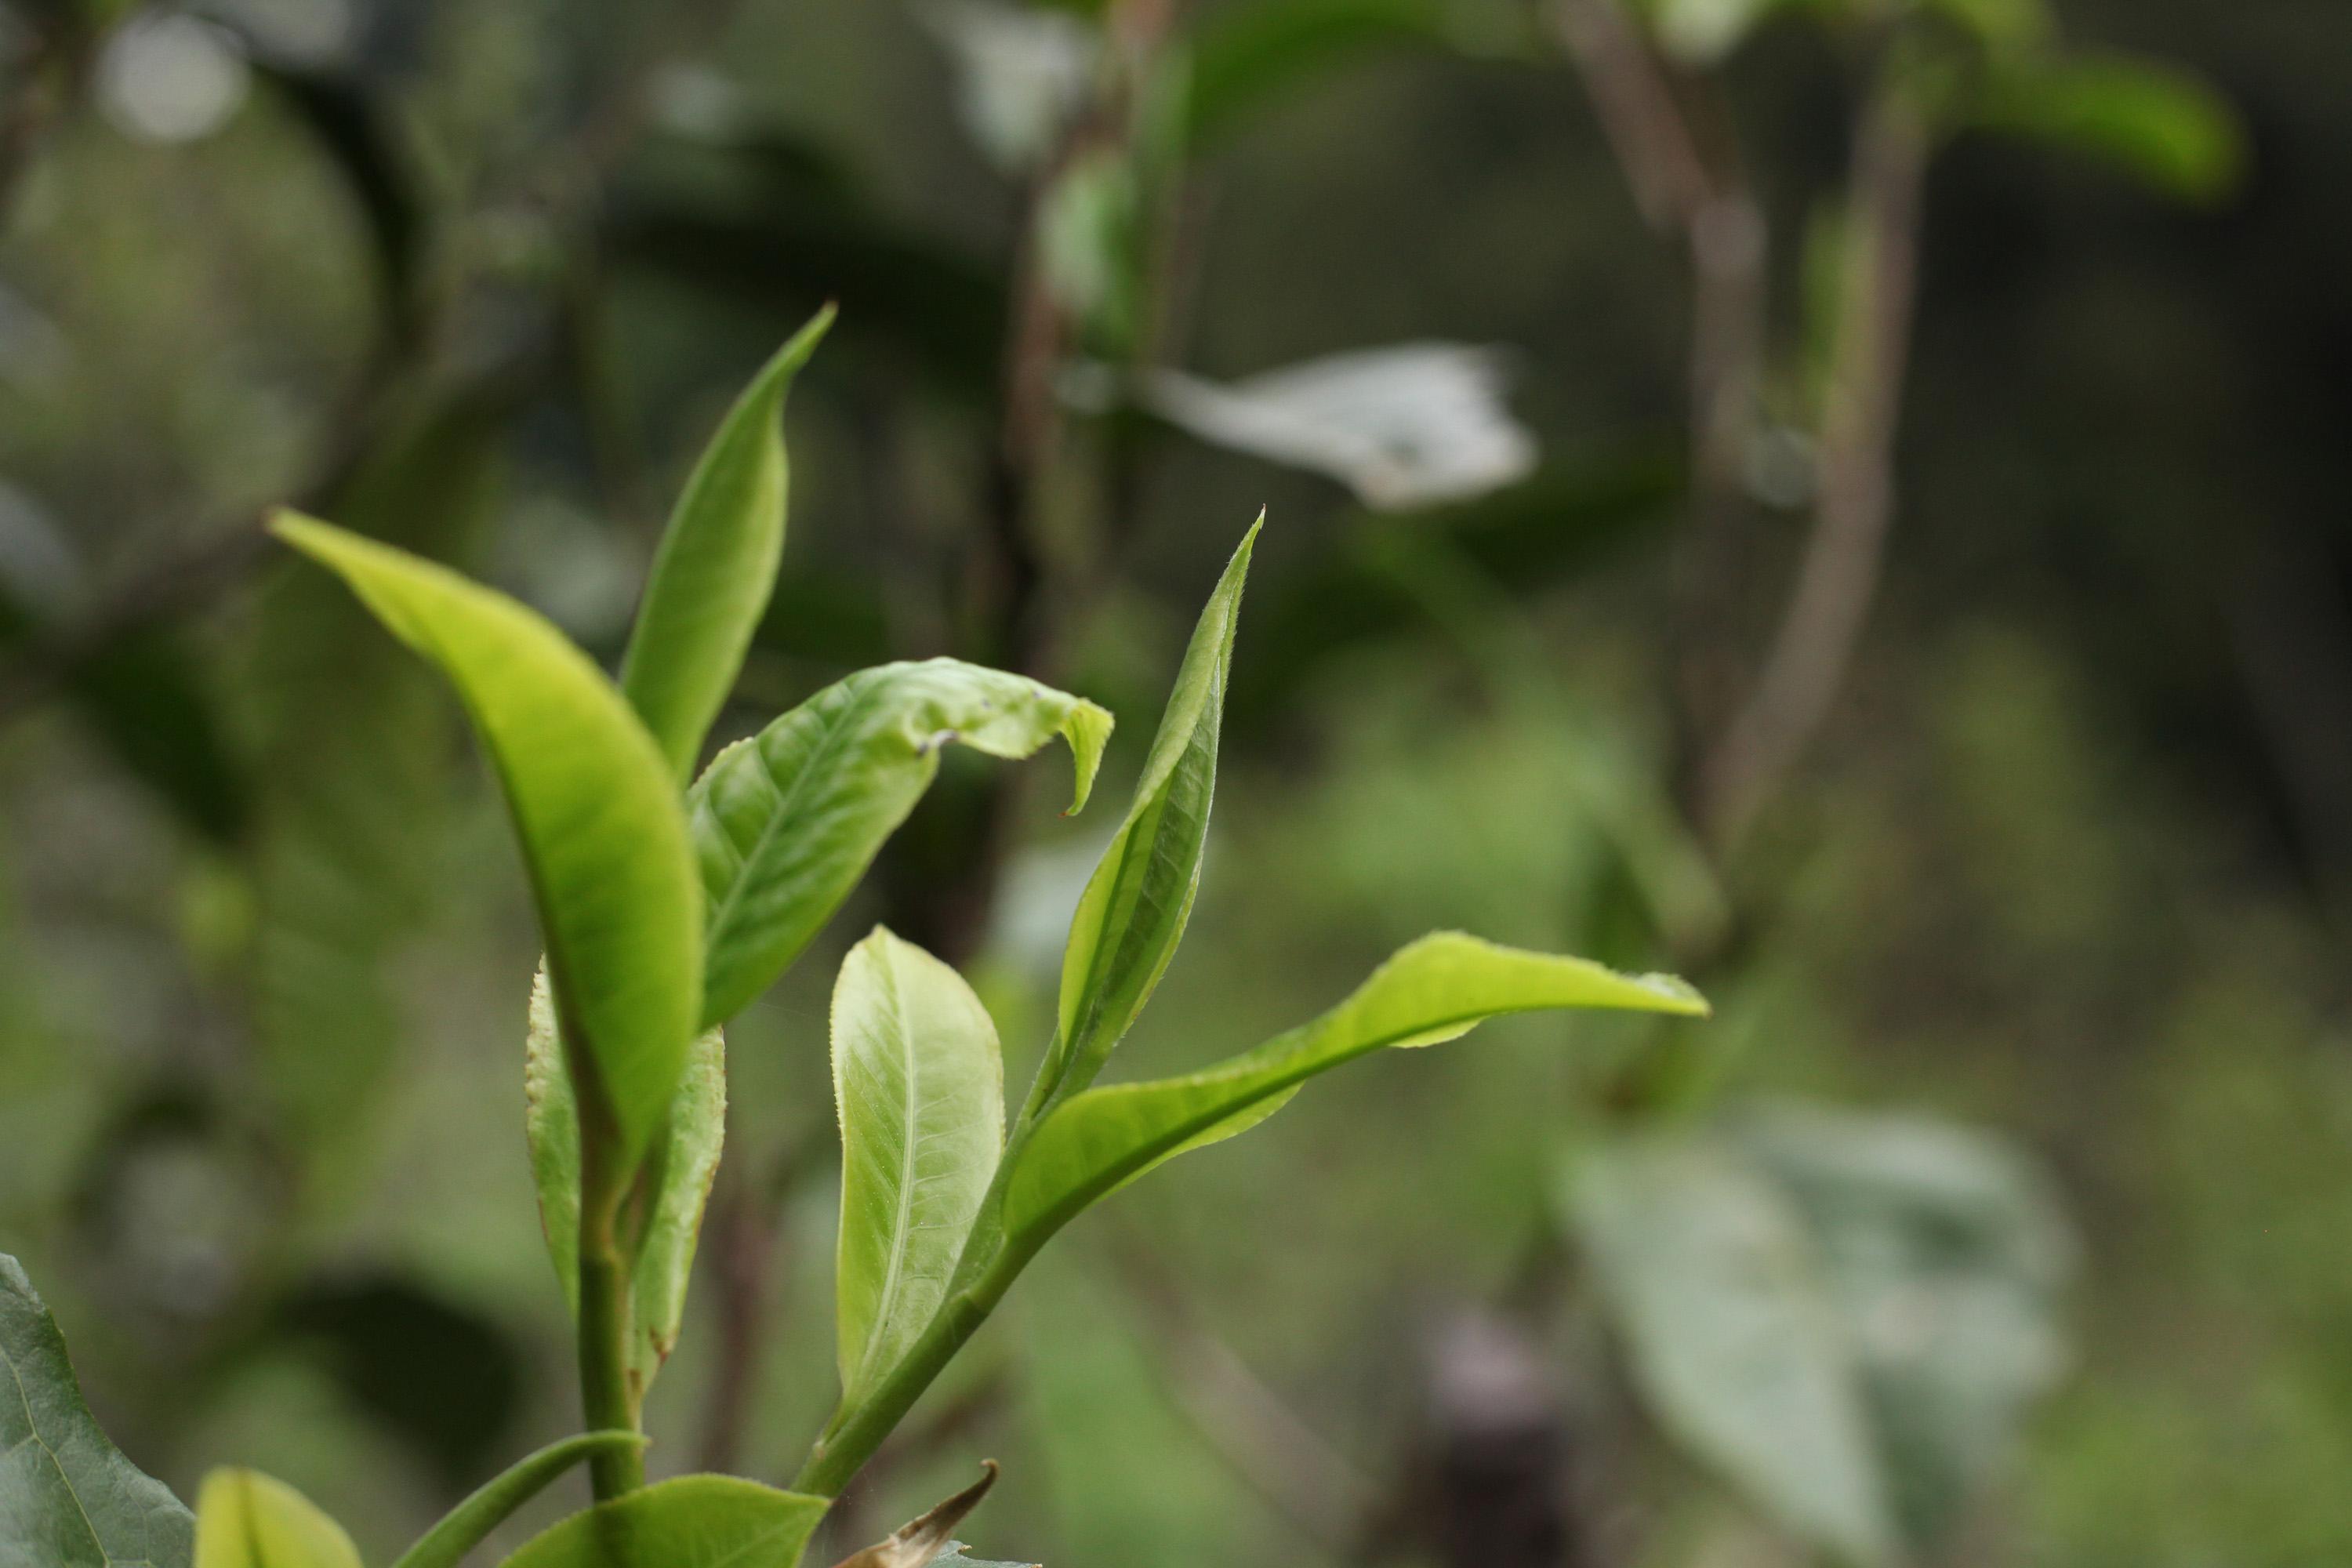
(745, 1219)
(1838, 577)
(1690, 184)
(51, 71)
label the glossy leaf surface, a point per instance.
(466, 1525)
(680, 1167)
(921, 1087)
(694, 1521)
(246, 1520)
(593, 805)
(717, 565)
(1133, 910)
(69, 1499)
(786, 822)
(1436, 989)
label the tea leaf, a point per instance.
(786, 822)
(717, 565)
(694, 1521)
(1133, 911)
(1437, 989)
(931, 1536)
(2161, 125)
(68, 1497)
(680, 1165)
(465, 1526)
(246, 1519)
(921, 1086)
(593, 805)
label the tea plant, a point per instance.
(668, 902)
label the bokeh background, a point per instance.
(1844, 498)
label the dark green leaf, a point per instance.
(246, 1519)
(1248, 56)
(594, 807)
(1437, 989)
(68, 1497)
(921, 1087)
(694, 1521)
(717, 565)
(1135, 907)
(786, 822)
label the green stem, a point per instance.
(606, 1397)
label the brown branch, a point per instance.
(1838, 577)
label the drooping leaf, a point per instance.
(1133, 910)
(919, 1084)
(246, 1520)
(2159, 123)
(594, 807)
(717, 565)
(1409, 425)
(931, 1538)
(694, 1521)
(1436, 989)
(69, 1499)
(1714, 1282)
(465, 1526)
(680, 1167)
(786, 822)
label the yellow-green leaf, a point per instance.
(601, 830)
(246, 1519)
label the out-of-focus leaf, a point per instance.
(1568, 518)
(676, 1178)
(1949, 1263)
(469, 1524)
(445, 1379)
(2003, 25)
(717, 565)
(351, 739)
(1088, 242)
(931, 1538)
(2159, 123)
(1133, 911)
(594, 807)
(1704, 32)
(1406, 427)
(342, 113)
(1713, 1280)
(694, 1521)
(919, 1083)
(786, 822)
(1245, 57)
(1847, 1315)
(757, 217)
(1437, 989)
(137, 694)
(246, 1520)
(68, 1497)
(1022, 74)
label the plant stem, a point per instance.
(607, 1400)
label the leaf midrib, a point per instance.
(900, 1233)
(33, 1436)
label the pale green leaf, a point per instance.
(694, 1521)
(1436, 989)
(68, 1497)
(1715, 1284)
(1134, 908)
(246, 1519)
(470, 1522)
(680, 1167)
(920, 1088)
(717, 565)
(594, 804)
(786, 822)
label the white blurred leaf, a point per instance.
(1403, 426)
(1022, 74)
